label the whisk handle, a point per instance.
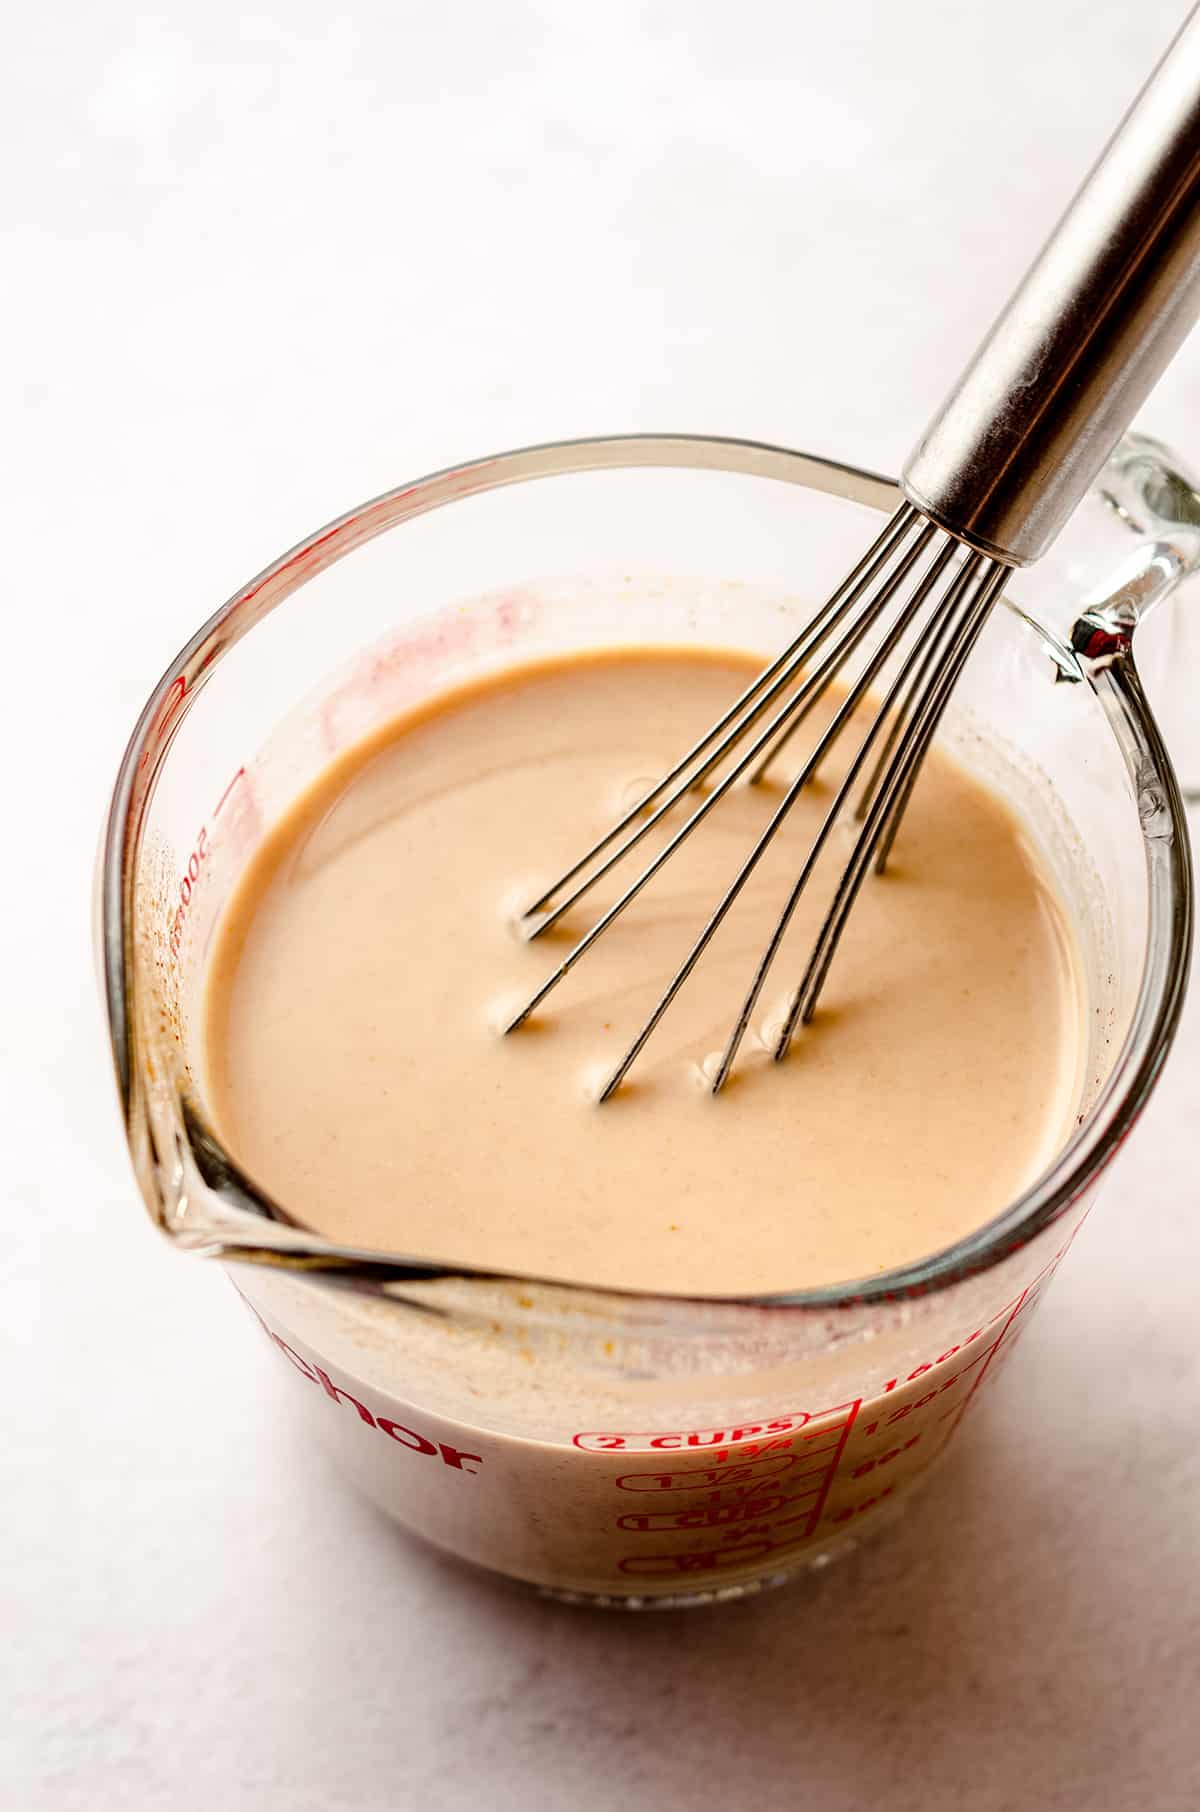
(1088, 333)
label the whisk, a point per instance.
(1003, 464)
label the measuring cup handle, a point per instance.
(1155, 498)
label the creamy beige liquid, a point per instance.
(368, 957)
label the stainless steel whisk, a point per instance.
(1003, 464)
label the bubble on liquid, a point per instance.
(632, 792)
(593, 1081)
(771, 1030)
(513, 907)
(500, 1012)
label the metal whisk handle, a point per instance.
(1097, 319)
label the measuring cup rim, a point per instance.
(270, 1236)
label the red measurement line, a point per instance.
(1048, 1269)
(818, 1508)
(240, 775)
(983, 1370)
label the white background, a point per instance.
(262, 262)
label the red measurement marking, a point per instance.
(801, 1512)
(195, 863)
(675, 1439)
(887, 1423)
(743, 1553)
(868, 1503)
(240, 775)
(753, 1511)
(1005, 1314)
(801, 1492)
(884, 1459)
(819, 1506)
(715, 1560)
(741, 1494)
(707, 1477)
(303, 555)
(176, 693)
(715, 1516)
(812, 1459)
(999, 1342)
(187, 888)
(802, 1508)
(797, 1507)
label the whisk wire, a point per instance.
(940, 618)
(883, 818)
(767, 835)
(769, 683)
(901, 573)
(815, 685)
(900, 717)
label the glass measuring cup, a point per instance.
(625, 1448)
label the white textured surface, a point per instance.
(268, 261)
